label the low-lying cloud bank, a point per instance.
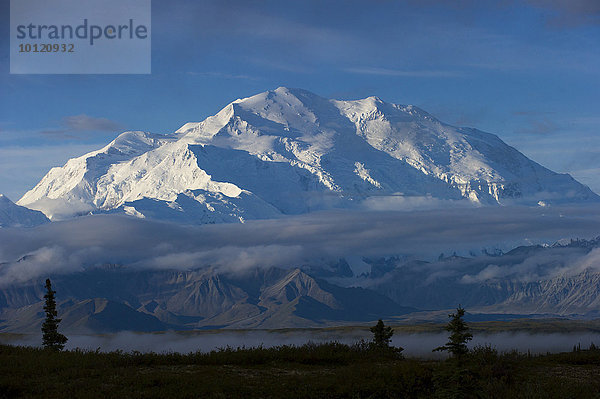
(419, 345)
(64, 247)
(560, 262)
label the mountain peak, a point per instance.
(282, 90)
(375, 99)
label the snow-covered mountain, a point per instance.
(12, 215)
(288, 151)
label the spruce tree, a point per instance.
(381, 335)
(459, 334)
(51, 338)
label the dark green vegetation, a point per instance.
(382, 335)
(459, 334)
(330, 370)
(51, 338)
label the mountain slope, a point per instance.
(110, 299)
(558, 280)
(289, 151)
(95, 315)
(12, 215)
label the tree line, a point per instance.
(457, 340)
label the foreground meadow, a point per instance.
(330, 370)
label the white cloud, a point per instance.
(291, 242)
(72, 126)
(83, 123)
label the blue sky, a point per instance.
(528, 71)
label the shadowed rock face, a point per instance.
(288, 151)
(117, 299)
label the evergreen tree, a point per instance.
(459, 334)
(51, 338)
(381, 335)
